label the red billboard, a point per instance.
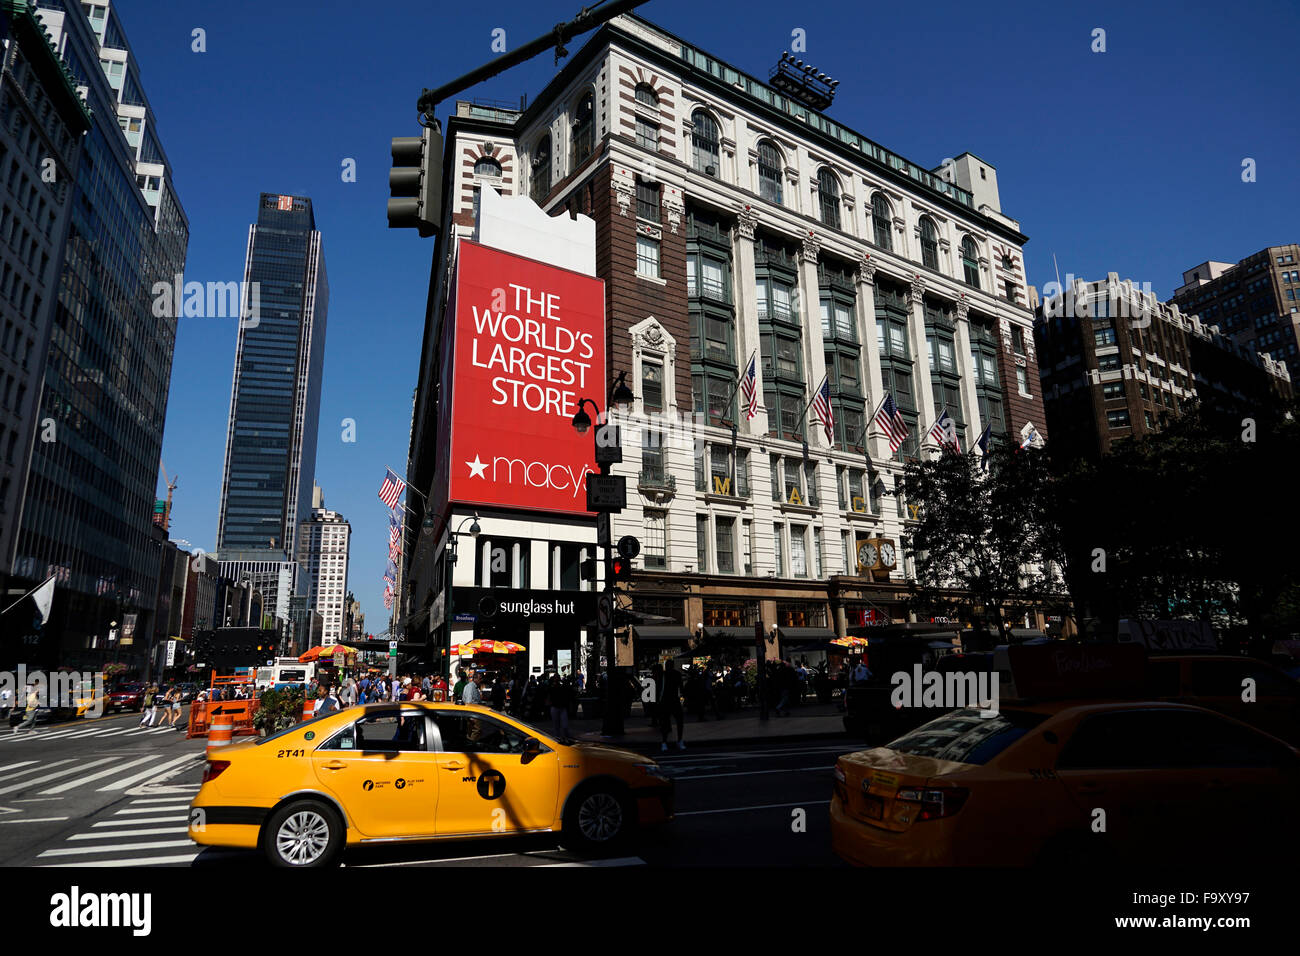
(529, 345)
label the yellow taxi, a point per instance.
(1067, 782)
(418, 772)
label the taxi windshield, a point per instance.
(967, 736)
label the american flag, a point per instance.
(394, 549)
(890, 420)
(388, 597)
(391, 573)
(749, 388)
(391, 489)
(982, 443)
(822, 409)
(944, 432)
(394, 528)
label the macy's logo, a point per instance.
(531, 474)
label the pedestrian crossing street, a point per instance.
(147, 831)
(79, 732)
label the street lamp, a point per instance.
(454, 547)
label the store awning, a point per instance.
(665, 635)
(806, 634)
(744, 634)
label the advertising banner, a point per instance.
(529, 345)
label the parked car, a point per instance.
(128, 696)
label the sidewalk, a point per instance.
(809, 720)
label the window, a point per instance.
(487, 166)
(769, 172)
(654, 542)
(646, 96)
(652, 385)
(798, 551)
(1009, 289)
(647, 134)
(1112, 390)
(1018, 339)
(1022, 381)
(1105, 335)
(472, 734)
(828, 192)
(387, 731)
(704, 143)
(817, 553)
(647, 257)
(929, 243)
(702, 542)
(1108, 363)
(726, 547)
(778, 545)
(652, 455)
(1117, 418)
(882, 219)
(970, 262)
(583, 130)
(541, 183)
(647, 200)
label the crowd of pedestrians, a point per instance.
(161, 708)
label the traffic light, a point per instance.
(622, 568)
(588, 569)
(415, 183)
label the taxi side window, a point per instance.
(466, 733)
(1166, 739)
(381, 733)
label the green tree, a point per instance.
(986, 541)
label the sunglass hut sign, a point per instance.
(530, 345)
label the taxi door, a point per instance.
(487, 784)
(382, 772)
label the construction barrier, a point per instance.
(220, 734)
(308, 709)
(240, 714)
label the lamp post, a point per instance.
(453, 548)
(621, 395)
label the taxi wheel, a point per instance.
(597, 819)
(302, 834)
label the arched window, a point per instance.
(704, 143)
(929, 243)
(769, 172)
(882, 218)
(541, 184)
(828, 190)
(583, 129)
(487, 166)
(646, 96)
(970, 262)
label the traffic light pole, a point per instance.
(612, 724)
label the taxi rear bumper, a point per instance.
(859, 843)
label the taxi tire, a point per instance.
(314, 810)
(600, 798)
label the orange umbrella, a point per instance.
(314, 654)
(483, 646)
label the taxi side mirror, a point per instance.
(532, 746)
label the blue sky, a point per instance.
(1126, 161)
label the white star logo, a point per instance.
(476, 468)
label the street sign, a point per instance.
(606, 492)
(609, 449)
(629, 547)
(602, 529)
(392, 648)
(605, 612)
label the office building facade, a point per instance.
(323, 544)
(89, 497)
(270, 455)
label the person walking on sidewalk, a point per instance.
(29, 718)
(668, 702)
(558, 700)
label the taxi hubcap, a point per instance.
(601, 817)
(303, 837)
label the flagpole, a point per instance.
(28, 594)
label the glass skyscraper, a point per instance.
(275, 400)
(89, 499)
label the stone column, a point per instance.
(814, 362)
(745, 292)
(877, 444)
(921, 364)
(970, 401)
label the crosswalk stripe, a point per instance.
(123, 784)
(81, 733)
(36, 769)
(170, 806)
(138, 861)
(115, 769)
(54, 776)
(114, 848)
(172, 799)
(151, 831)
(37, 820)
(114, 733)
(15, 766)
(140, 822)
(39, 735)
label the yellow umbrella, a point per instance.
(850, 641)
(483, 646)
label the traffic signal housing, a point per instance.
(415, 183)
(622, 568)
(588, 569)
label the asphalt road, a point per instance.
(104, 793)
